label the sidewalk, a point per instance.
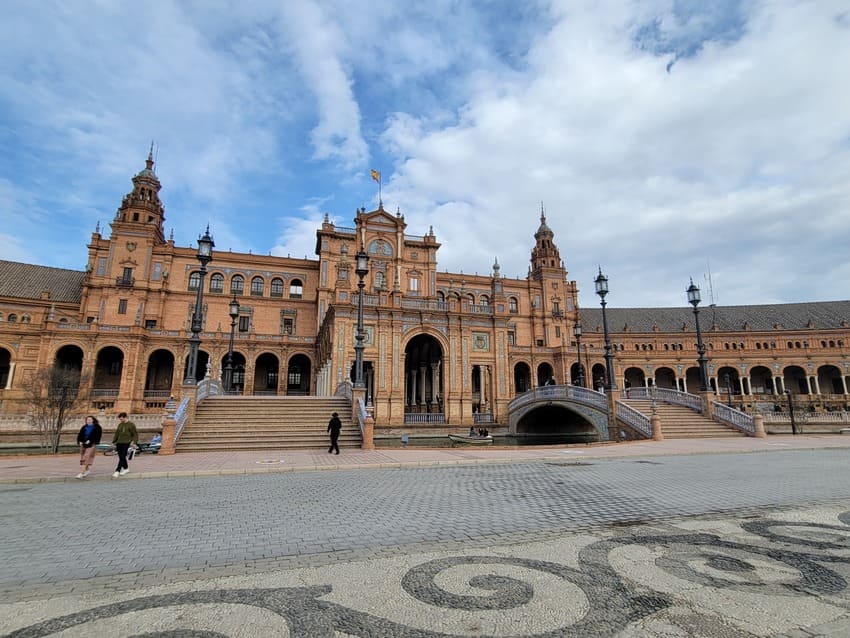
(64, 467)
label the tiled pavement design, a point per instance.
(353, 552)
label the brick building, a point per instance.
(439, 347)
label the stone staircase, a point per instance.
(267, 423)
(679, 422)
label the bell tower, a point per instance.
(544, 256)
(141, 209)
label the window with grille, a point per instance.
(277, 288)
(122, 306)
(244, 324)
(237, 285)
(194, 281)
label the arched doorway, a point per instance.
(69, 358)
(598, 374)
(829, 380)
(522, 378)
(423, 375)
(578, 375)
(107, 373)
(634, 378)
(160, 374)
(5, 367)
(266, 373)
(729, 382)
(795, 379)
(298, 375)
(665, 378)
(201, 369)
(761, 381)
(545, 373)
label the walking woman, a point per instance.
(87, 439)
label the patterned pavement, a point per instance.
(677, 543)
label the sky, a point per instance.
(664, 139)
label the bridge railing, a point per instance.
(637, 420)
(668, 395)
(574, 393)
(733, 417)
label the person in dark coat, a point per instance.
(334, 426)
(87, 439)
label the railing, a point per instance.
(73, 326)
(126, 282)
(361, 415)
(481, 310)
(180, 417)
(345, 230)
(733, 417)
(431, 417)
(209, 387)
(424, 304)
(807, 417)
(482, 417)
(637, 420)
(103, 393)
(157, 394)
(573, 393)
(344, 390)
(668, 395)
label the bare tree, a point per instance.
(52, 394)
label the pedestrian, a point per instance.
(87, 439)
(125, 434)
(334, 426)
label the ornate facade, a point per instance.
(439, 347)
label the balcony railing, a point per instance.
(126, 282)
(104, 393)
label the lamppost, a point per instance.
(587, 366)
(228, 364)
(601, 283)
(577, 333)
(205, 246)
(791, 411)
(727, 379)
(361, 271)
(694, 299)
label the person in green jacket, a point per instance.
(125, 434)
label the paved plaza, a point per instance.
(623, 540)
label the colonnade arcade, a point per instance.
(826, 379)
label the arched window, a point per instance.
(12, 319)
(217, 283)
(194, 281)
(25, 319)
(440, 296)
(237, 285)
(257, 285)
(379, 247)
(484, 300)
(295, 289)
(471, 299)
(513, 305)
(277, 287)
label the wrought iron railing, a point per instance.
(103, 393)
(637, 420)
(157, 394)
(482, 417)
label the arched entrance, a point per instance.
(522, 378)
(829, 380)
(578, 375)
(598, 374)
(266, 373)
(634, 378)
(665, 378)
(298, 375)
(160, 374)
(761, 381)
(423, 375)
(201, 369)
(729, 382)
(107, 375)
(795, 379)
(545, 373)
(5, 367)
(69, 358)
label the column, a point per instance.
(773, 384)
(815, 384)
(422, 397)
(843, 383)
(411, 391)
(809, 384)
(434, 386)
(12, 374)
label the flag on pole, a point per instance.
(376, 175)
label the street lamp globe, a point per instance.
(693, 294)
(234, 307)
(601, 283)
(205, 246)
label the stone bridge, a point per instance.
(562, 410)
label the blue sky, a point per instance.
(665, 138)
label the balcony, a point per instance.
(125, 282)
